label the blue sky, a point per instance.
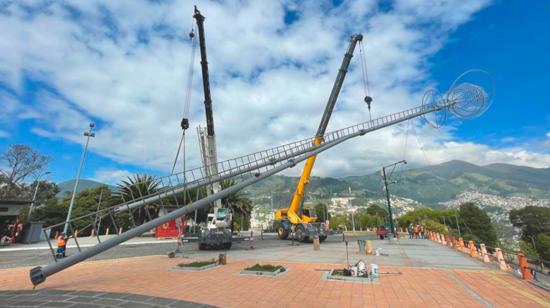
(123, 66)
(510, 40)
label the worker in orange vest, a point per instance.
(61, 245)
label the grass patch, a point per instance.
(197, 263)
(338, 272)
(265, 268)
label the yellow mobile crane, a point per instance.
(302, 222)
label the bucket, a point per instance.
(361, 244)
(374, 270)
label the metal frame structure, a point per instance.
(251, 168)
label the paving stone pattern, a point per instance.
(85, 299)
(413, 274)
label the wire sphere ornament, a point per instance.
(471, 94)
(430, 99)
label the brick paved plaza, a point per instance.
(472, 284)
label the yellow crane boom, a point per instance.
(295, 219)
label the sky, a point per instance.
(124, 65)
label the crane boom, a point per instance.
(205, 76)
(338, 85)
(218, 221)
(296, 202)
(211, 161)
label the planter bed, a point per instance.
(196, 266)
(338, 275)
(264, 270)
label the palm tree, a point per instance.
(137, 187)
(237, 202)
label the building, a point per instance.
(9, 211)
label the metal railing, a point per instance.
(181, 183)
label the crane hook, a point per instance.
(368, 100)
(192, 33)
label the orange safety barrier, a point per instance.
(524, 267)
(454, 243)
(443, 242)
(472, 247)
(461, 242)
(484, 254)
(501, 263)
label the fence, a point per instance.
(512, 261)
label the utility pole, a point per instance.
(353, 219)
(458, 226)
(89, 134)
(388, 192)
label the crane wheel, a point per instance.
(282, 232)
(300, 236)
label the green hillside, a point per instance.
(428, 185)
(66, 187)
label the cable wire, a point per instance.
(365, 76)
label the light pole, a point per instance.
(35, 192)
(353, 218)
(87, 134)
(388, 192)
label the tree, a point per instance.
(377, 210)
(365, 220)
(86, 202)
(322, 212)
(46, 192)
(432, 225)
(137, 187)
(543, 247)
(534, 223)
(418, 216)
(532, 220)
(22, 161)
(340, 221)
(476, 225)
(238, 203)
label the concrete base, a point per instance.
(369, 280)
(264, 273)
(194, 269)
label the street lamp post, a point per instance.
(353, 218)
(35, 193)
(87, 134)
(388, 192)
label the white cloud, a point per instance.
(546, 143)
(269, 80)
(111, 176)
(4, 134)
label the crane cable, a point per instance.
(420, 146)
(365, 77)
(187, 103)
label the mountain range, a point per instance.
(433, 186)
(66, 187)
